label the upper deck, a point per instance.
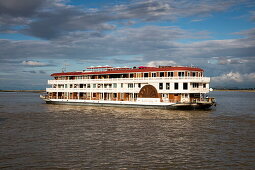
(140, 72)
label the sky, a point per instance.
(41, 37)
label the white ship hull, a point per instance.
(133, 104)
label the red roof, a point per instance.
(150, 69)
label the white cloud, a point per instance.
(160, 63)
(34, 63)
(234, 77)
(223, 60)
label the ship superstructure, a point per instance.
(163, 86)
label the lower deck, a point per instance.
(130, 97)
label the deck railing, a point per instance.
(205, 79)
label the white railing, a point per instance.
(135, 80)
(124, 90)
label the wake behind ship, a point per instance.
(152, 87)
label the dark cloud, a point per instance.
(50, 19)
(42, 72)
(19, 8)
(63, 21)
(32, 72)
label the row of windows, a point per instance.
(176, 86)
(161, 86)
(114, 85)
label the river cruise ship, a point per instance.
(152, 87)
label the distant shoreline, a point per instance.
(32, 91)
(240, 90)
(41, 91)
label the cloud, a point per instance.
(168, 9)
(57, 23)
(197, 20)
(237, 77)
(234, 79)
(150, 42)
(51, 19)
(252, 17)
(19, 8)
(227, 60)
(32, 72)
(35, 63)
(42, 72)
(161, 63)
(246, 33)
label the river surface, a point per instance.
(34, 135)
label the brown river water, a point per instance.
(34, 135)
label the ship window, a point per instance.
(94, 95)
(88, 85)
(185, 86)
(94, 85)
(146, 74)
(71, 86)
(196, 95)
(167, 86)
(130, 85)
(176, 86)
(161, 74)
(114, 85)
(84, 85)
(114, 95)
(181, 74)
(193, 74)
(139, 85)
(170, 74)
(121, 85)
(160, 86)
(131, 75)
(81, 85)
(195, 85)
(204, 85)
(153, 74)
(65, 85)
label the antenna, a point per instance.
(64, 68)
